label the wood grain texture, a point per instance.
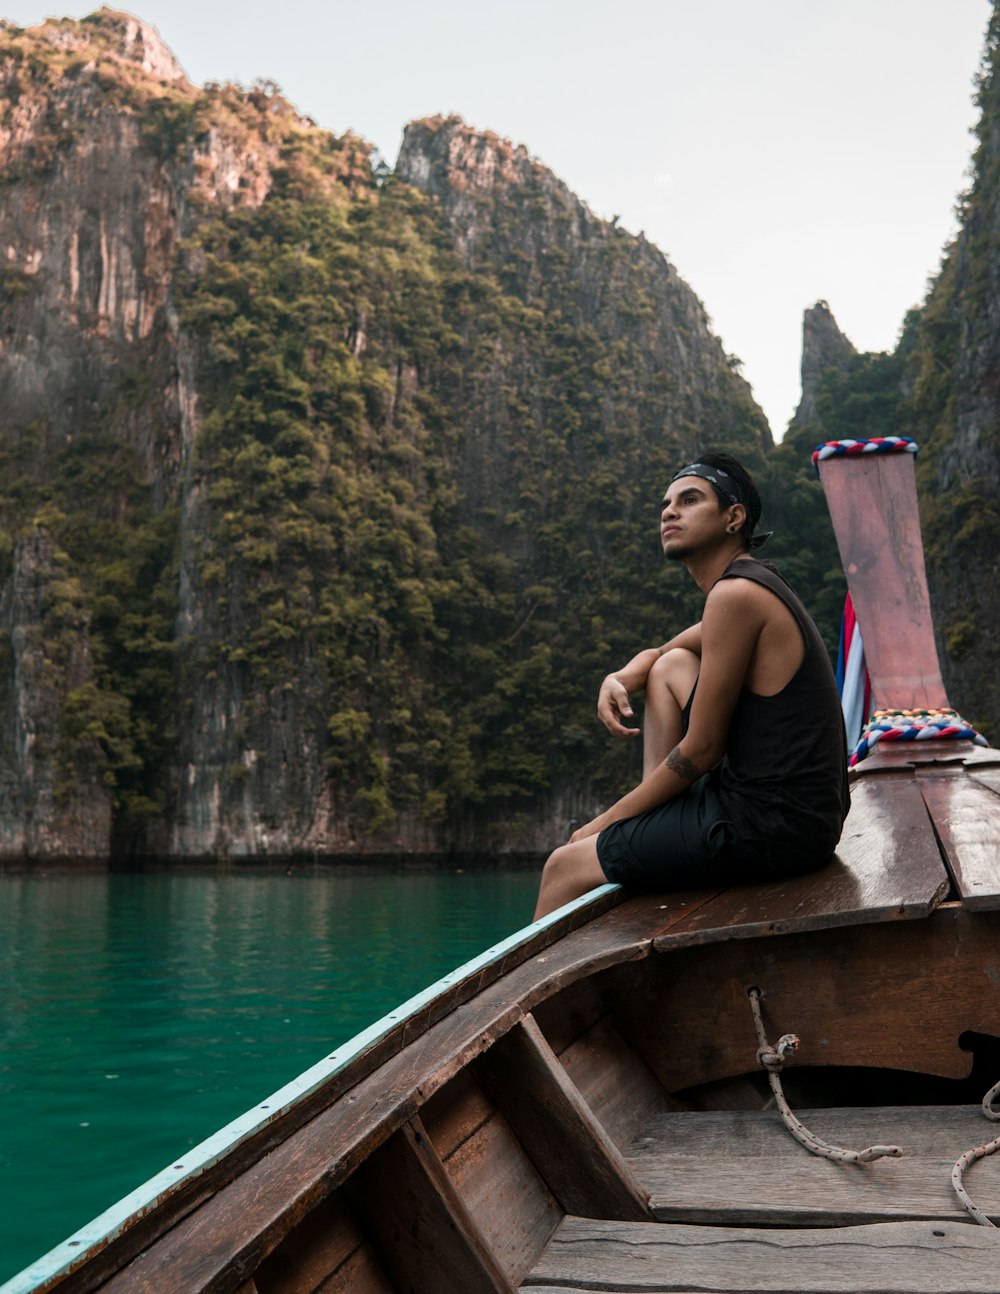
(891, 1258)
(511, 1204)
(966, 817)
(508, 1199)
(455, 1112)
(888, 866)
(614, 1080)
(571, 1149)
(322, 1244)
(894, 996)
(988, 777)
(873, 506)
(360, 1274)
(425, 1236)
(739, 1168)
(904, 756)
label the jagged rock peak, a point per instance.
(824, 347)
(444, 152)
(471, 170)
(121, 36)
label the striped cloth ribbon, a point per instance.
(913, 725)
(854, 448)
(853, 682)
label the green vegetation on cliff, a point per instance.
(358, 513)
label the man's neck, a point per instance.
(706, 568)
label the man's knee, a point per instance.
(556, 863)
(677, 671)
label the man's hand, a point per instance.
(613, 706)
(591, 828)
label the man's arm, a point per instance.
(734, 616)
(613, 698)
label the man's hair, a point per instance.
(744, 486)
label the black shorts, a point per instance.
(687, 843)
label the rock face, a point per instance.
(324, 489)
(953, 354)
(942, 387)
(824, 349)
(53, 803)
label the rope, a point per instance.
(913, 725)
(970, 1157)
(773, 1060)
(855, 448)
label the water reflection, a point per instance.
(140, 1013)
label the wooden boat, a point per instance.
(582, 1108)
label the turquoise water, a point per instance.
(138, 1014)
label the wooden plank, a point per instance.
(614, 1081)
(891, 996)
(873, 505)
(966, 817)
(988, 777)
(327, 1241)
(569, 1014)
(246, 1218)
(904, 756)
(360, 1274)
(510, 1203)
(572, 1151)
(506, 1197)
(456, 1112)
(739, 1168)
(901, 1257)
(426, 1238)
(888, 867)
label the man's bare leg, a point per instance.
(668, 686)
(571, 870)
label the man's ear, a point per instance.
(737, 518)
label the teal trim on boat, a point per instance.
(113, 1221)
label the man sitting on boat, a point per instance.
(744, 757)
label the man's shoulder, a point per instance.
(746, 595)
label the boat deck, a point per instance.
(901, 1257)
(532, 1125)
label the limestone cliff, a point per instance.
(942, 386)
(342, 481)
(825, 350)
(952, 350)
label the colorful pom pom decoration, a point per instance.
(913, 725)
(855, 448)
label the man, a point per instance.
(744, 761)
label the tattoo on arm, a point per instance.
(682, 766)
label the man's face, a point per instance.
(690, 517)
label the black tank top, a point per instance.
(783, 778)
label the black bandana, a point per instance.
(728, 489)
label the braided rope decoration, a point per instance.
(854, 448)
(913, 725)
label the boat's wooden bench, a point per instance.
(918, 830)
(888, 866)
(743, 1168)
(904, 1257)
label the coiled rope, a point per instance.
(773, 1059)
(913, 725)
(970, 1157)
(855, 448)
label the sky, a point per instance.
(778, 151)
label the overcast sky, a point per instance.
(779, 151)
